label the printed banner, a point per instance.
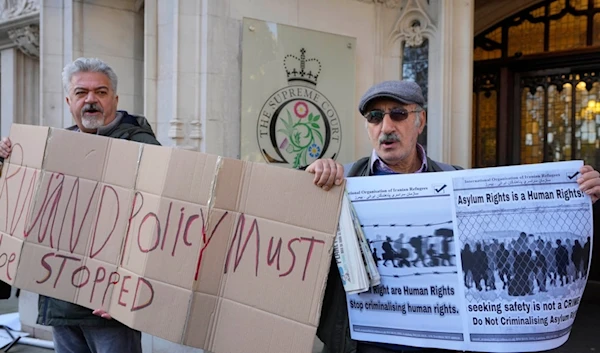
(492, 259)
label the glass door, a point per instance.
(560, 117)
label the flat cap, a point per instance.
(406, 92)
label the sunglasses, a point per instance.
(396, 114)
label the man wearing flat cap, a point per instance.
(394, 118)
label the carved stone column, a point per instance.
(20, 66)
(457, 85)
(21, 24)
(11, 9)
(27, 39)
(176, 131)
(176, 82)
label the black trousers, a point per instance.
(5, 290)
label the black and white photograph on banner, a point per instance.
(405, 242)
(525, 240)
(410, 232)
(542, 260)
(434, 248)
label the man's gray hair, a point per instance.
(88, 65)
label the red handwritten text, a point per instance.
(241, 239)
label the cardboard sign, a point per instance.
(209, 252)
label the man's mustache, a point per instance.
(92, 107)
(383, 138)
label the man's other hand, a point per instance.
(589, 182)
(327, 173)
(102, 314)
(5, 147)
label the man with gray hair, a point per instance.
(91, 88)
(394, 118)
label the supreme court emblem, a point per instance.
(298, 124)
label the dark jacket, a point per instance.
(334, 328)
(56, 312)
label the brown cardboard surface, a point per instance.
(10, 253)
(76, 154)
(189, 176)
(152, 170)
(95, 286)
(28, 145)
(263, 332)
(286, 257)
(172, 255)
(200, 324)
(50, 272)
(283, 195)
(215, 253)
(63, 213)
(228, 183)
(17, 189)
(143, 232)
(110, 223)
(121, 163)
(168, 305)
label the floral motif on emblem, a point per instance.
(302, 136)
(301, 110)
(314, 150)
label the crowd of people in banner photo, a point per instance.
(521, 265)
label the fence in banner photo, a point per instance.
(490, 260)
(209, 245)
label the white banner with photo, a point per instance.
(490, 260)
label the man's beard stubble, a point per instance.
(92, 122)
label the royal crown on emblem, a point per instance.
(302, 69)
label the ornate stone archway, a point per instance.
(19, 62)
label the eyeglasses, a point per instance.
(397, 114)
